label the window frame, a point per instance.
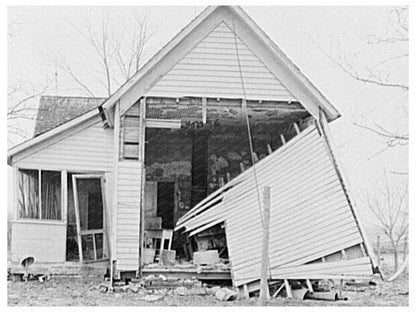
(19, 219)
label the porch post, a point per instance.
(142, 139)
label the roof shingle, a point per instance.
(56, 110)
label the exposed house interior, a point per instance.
(187, 163)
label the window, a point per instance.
(39, 195)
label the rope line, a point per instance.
(250, 138)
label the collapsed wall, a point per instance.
(314, 231)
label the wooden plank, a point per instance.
(142, 183)
(64, 196)
(204, 110)
(264, 286)
(77, 217)
(288, 289)
(309, 285)
(131, 151)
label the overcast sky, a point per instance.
(42, 37)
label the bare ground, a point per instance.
(84, 292)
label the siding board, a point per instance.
(90, 148)
(128, 215)
(211, 69)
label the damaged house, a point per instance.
(177, 159)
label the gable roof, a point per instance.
(56, 110)
(310, 97)
(181, 44)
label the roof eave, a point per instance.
(49, 134)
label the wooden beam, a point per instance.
(246, 293)
(15, 193)
(40, 193)
(163, 123)
(204, 110)
(309, 284)
(64, 194)
(142, 129)
(269, 149)
(283, 139)
(278, 290)
(116, 157)
(264, 286)
(106, 216)
(295, 125)
(288, 289)
(77, 217)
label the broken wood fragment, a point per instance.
(288, 289)
(269, 149)
(283, 139)
(264, 287)
(278, 290)
(295, 125)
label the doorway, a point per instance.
(90, 216)
(166, 204)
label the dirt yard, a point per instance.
(84, 292)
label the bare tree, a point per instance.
(118, 50)
(21, 99)
(362, 66)
(389, 206)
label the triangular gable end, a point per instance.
(212, 69)
(163, 74)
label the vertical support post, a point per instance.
(77, 216)
(64, 195)
(309, 284)
(405, 246)
(264, 286)
(64, 202)
(114, 210)
(378, 248)
(288, 289)
(40, 193)
(245, 291)
(204, 110)
(16, 194)
(106, 216)
(142, 129)
(340, 288)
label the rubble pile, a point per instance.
(154, 288)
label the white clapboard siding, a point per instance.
(310, 216)
(211, 69)
(85, 148)
(45, 241)
(128, 215)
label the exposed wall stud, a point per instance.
(295, 125)
(283, 139)
(269, 149)
(204, 110)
